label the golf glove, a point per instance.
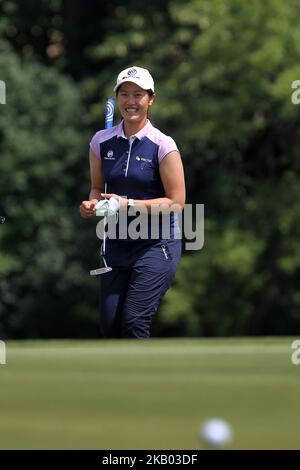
(107, 207)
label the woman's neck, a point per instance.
(132, 128)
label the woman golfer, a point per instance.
(141, 168)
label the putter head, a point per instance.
(96, 272)
(103, 270)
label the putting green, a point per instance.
(148, 394)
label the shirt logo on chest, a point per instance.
(109, 155)
(142, 159)
(143, 162)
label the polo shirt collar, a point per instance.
(139, 135)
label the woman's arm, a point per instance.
(97, 179)
(87, 208)
(172, 176)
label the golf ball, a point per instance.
(216, 432)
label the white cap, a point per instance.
(137, 75)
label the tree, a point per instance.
(44, 175)
(223, 73)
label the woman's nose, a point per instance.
(131, 99)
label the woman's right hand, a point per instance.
(87, 208)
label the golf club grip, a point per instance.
(109, 113)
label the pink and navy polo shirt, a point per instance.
(131, 166)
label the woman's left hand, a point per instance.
(123, 201)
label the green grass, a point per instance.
(148, 394)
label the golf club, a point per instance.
(109, 116)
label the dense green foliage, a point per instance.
(223, 70)
(42, 160)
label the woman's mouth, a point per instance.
(131, 110)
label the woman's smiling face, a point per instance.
(133, 102)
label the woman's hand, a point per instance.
(123, 201)
(87, 208)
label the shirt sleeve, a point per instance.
(95, 145)
(167, 145)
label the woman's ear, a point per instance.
(151, 100)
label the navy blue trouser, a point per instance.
(130, 294)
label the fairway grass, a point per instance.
(151, 394)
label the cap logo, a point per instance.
(136, 75)
(132, 72)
